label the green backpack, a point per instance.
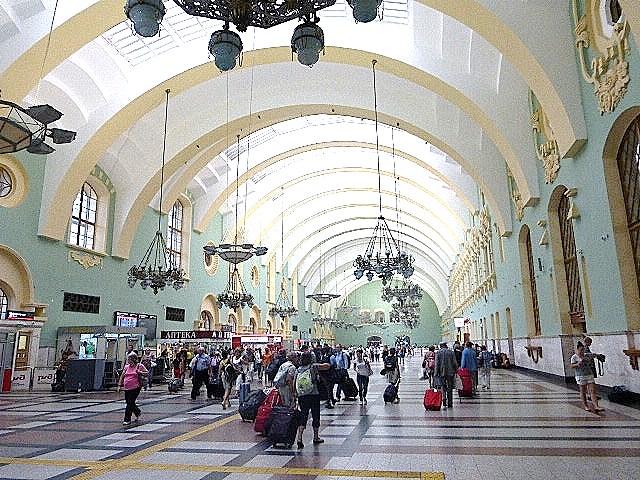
(305, 382)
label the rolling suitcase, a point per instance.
(174, 385)
(349, 389)
(390, 393)
(243, 393)
(264, 411)
(432, 399)
(215, 389)
(249, 409)
(282, 427)
(467, 383)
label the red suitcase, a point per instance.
(467, 383)
(432, 399)
(264, 412)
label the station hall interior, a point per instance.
(311, 176)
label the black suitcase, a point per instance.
(249, 408)
(390, 393)
(215, 389)
(282, 426)
(349, 388)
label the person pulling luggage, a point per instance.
(200, 372)
(341, 362)
(445, 372)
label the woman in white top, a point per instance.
(363, 372)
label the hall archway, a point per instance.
(616, 151)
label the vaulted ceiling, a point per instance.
(454, 80)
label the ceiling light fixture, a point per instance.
(156, 269)
(226, 46)
(383, 257)
(235, 253)
(283, 307)
(235, 295)
(322, 297)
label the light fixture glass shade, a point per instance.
(365, 11)
(225, 46)
(233, 253)
(146, 16)
(322, 298)
(307, 42)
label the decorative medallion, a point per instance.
(608, 70)
(87, 260)
(6, 182)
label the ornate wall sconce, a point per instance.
(544, 239)
(573, 213)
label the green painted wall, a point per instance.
(368, 297)
(586, 173)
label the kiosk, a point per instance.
(90, 356)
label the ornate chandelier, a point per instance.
(226, 46)
(322, 297)
(283, 307)
(383, 257)
(407, 290)
(235, 295)
(156, 269)
(235, 253)
(28, 128)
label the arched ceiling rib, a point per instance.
(442, 116)
(533, 51)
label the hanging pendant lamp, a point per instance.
(383, 257)
(157, 270)
(283, 307)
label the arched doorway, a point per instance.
(206, 320)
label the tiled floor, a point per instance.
(524, 428)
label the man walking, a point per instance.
(341, 362)
(445, 369)
(200, 372)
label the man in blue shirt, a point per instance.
(470, 362)
(341, 362)
(200, 372)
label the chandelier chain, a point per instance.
(164, 152)
(375, 109)
(237, 180)
(46, 50)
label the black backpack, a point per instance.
(390, 363)
(273, 367)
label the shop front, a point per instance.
(171, 340)
(273, 342)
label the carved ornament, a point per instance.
(546, 145)
(516, 198)
(608, 70)
(87, 260)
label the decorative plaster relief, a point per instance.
(608, 71)
(545, 142)
(573, 213)
(518, 203)
(87, 260)
(544, 239)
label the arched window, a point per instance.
(571, 269)
(4, 304)
(206, 320)
(6, 182)
(82, 232)
(529, 283)
(627, 159)
(174, 234)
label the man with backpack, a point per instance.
(341, 362)
(306, 383)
